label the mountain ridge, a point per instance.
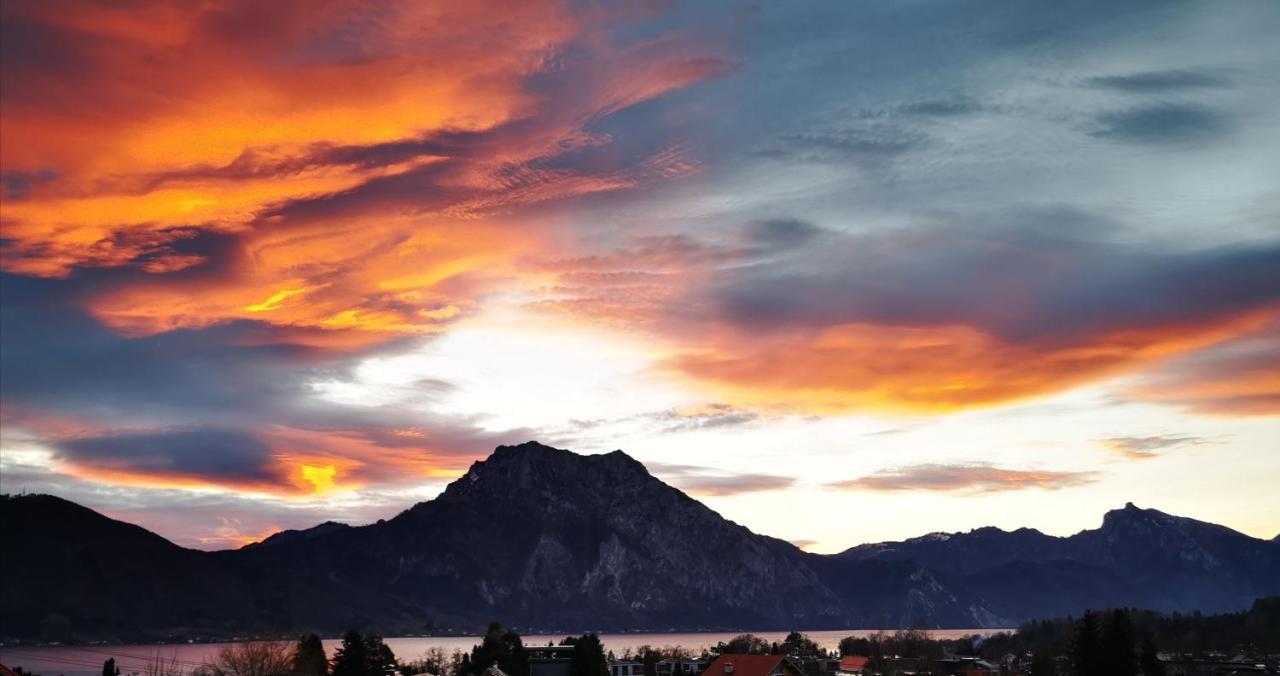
(546, 538)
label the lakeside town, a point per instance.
(1116, 642)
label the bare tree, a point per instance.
(158, 665)
(257, 658)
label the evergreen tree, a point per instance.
(309, 658)
(363, 656)
(502, 648)
(379, 658)
(351, 658)
(588, 656)
(109, 667)
(1086, 648)
(1116, 643)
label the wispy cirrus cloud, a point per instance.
(973, 478)
(1143, 448)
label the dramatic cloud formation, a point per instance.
(267, 264)
(972, 478)
(941, 318)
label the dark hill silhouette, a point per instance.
(548, 539)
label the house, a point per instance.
(625, 668)
(752, 665)
(549, 660)
(680, 667)
(816, 666)
(853, 664)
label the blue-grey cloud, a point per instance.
(1022, 284)
(1160, 123)
(215, 454)
(706, 481)
(1161, 81)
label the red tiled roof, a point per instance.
(743, 665)
(852, 662)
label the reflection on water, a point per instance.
(87, 660)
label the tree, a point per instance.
(381, 659)
(854, 645)
(434, 661)
(503, 648)
(1116, 643)
(109, 667)
(309, 657)
(158, 665)
(351, 658)
(588, 656)
(256, 658)
(362, 656)
(743, 644)
(1086, 648)
(799, 645)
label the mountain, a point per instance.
(545, 539)
(69, 572)
(1139, 558)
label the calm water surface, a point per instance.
(87, 660)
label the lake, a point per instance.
(87, 660)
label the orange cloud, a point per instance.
(361, 163)
(1239, 379)
(921, 369)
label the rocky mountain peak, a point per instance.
(1131, 515)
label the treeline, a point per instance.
(1255, 630)
(1118, 642)
(368, 655)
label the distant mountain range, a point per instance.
(545, 539)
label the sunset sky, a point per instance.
(844, 271)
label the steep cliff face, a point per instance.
(547, 539)
(544, 537)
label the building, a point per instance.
(625, 668)
(855, 665)
(752, 665)
(816, 666)
(680, 667)
(550, 660)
